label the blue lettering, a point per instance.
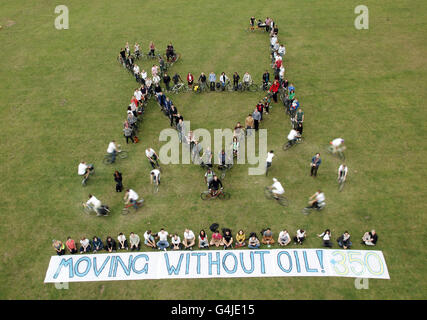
(243, 263)
(88, 266)
(261, 257)
(97, 272)
(187, 263)
(145, 269)
(110, 273)
(297, 261)
(125, 269)
(66, 263)
(198, 254)
(172, 269)
(225, 266)
(279, 263)
(216, 262)
(307, 267)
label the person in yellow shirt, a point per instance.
(240, 239)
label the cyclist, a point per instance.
(293, 136)
(269, 160)
(202, 80)
(155, 176)
(342, 172)
(209, 176)
(176, 79)
(277, 189)
(170, 52)
(247, 80)
(112, 150)
(152, 157)
(223, 79)
(337, 143)
(317, 200)
(214, 185)
(131, 197)
(85, 169)
(94, 204)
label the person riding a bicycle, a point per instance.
(247, 80)
(317, 200)
(155, 176)
(94, 204)
(277, 189)
(215, 185)
(170, 54)
(176, 79)
(209, 176)
(337, 145)
(85, 169)
(112, 150)
(342, 173)
(131, 197)
(152, 157)
(293, 136)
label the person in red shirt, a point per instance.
(260, 107)
(71, 245)
(216, 239)
(274, 88)
(190, 79)
(134, 101)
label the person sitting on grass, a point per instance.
(110, 244)
(227, 238)
(59, 247)
(326, 236)
(284, 238)
(85, 245)
(176, 242)
(189, 239)
(240, 239)
(370, 238)
(163, 243)
(71, 245)
(216, 239)
(134, 241)
(123, 243)
(149, 239)
(203, 240)
(344, 240)
(253, 242)
(300, 236)
(267, 237)
(97, 244)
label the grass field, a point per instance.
(63, 97)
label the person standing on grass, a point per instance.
(152, 157)
(167, 80)
(202, 80)
(212, 80)
(265, 79)
(249, 124)
(71, 245)
(256, 115)
(299, 119)
(236, 79)
(269, 160)
(152, 49)
(315, 163)
(128, 132)
(134, 241)
(190, 79)
(118, 179)
(260, 108)
(172, 113)
(274, 89)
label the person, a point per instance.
(317, 200)
(300, 236)
(370, 238)
(197, 148)
(207, 157)
(136, 72)
(190, 79)
(249, 124)
(161, 65)
(256, 115)
(128, 133)
(152, 49)
(238, 131)
(123, 54)
(247, 80)
(235, 146)
(84, 169)
(134, 241)
(227, 238)
(223, 159)
(131, 197)
(299, 117)
(209, 175)
(344, 240)
(342, 172)
(253, 242)
(240, 239)
(97, 244)
(59, 247)
(223, 79)
(203, 240)
(267, 237)
(71, 245)
(167, 80)
(267, 103)
(214, 185)
(179, 127)
(155, 176)
(315, 163)
(95, 204)
(265, 79)
(274, 89)
(112, 149)
(149, 239)
(326, 237)
(277, 188)
(176, 79)
(170, 52)
(163, 243)
(337, 144)
(212, 80)
(282, 50)
(85, 245)
(284, 238)
(110, 244)
(269, 160)
(136, 50)
(252, 23)
(172, 114)
(123, 243)
(202, 80)
(175, 242)
(260, 108)
(216, 239)
(236, 79)
(293, 136)
(119, 181)
(152, 157)
(189, 239)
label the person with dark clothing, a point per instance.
(236, 79)
(265, 79)
(202, 80)
(257, 117)
(214, 185)
(172, 114)
(176, 79)
(167, 80)
(315, 163)
(118, 179)
(110, 244)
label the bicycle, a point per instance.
(290, 144)
(249, 87)
(155, 186)
(338, 151)
(126, 208)
(84, 181)
(281, 199)
(220, 194)
(308, 210)
(224, 169)
(88, 209)
(341, 183)
(177, 88)
(108, 158)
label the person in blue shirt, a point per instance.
(315, 163)
(291, 87)
(212, 80)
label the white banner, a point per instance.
(217, 264)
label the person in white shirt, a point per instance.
(136, 70)
(131, 197)
(317, 200)
(94, 203)
(269, 160)
(282, 50)
(143, 74)
(293, 136)
(247, 79)
(154, 70)
(189, 239)
(326, 236)
(112, 149)
(123, 243)
(176, 242)
(284, 238)
(149, 239)
(342, 172)
(148, 83)
(84, 169)
(138, 95)
(156, 79)
(163, 243)
(85, 245)
(337, 143)
(273, 40)
(277, 188)
(282, 72)
(223, 79)
(155, 176)
(152, 157)
(300, 236)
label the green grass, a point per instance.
(63, 98)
